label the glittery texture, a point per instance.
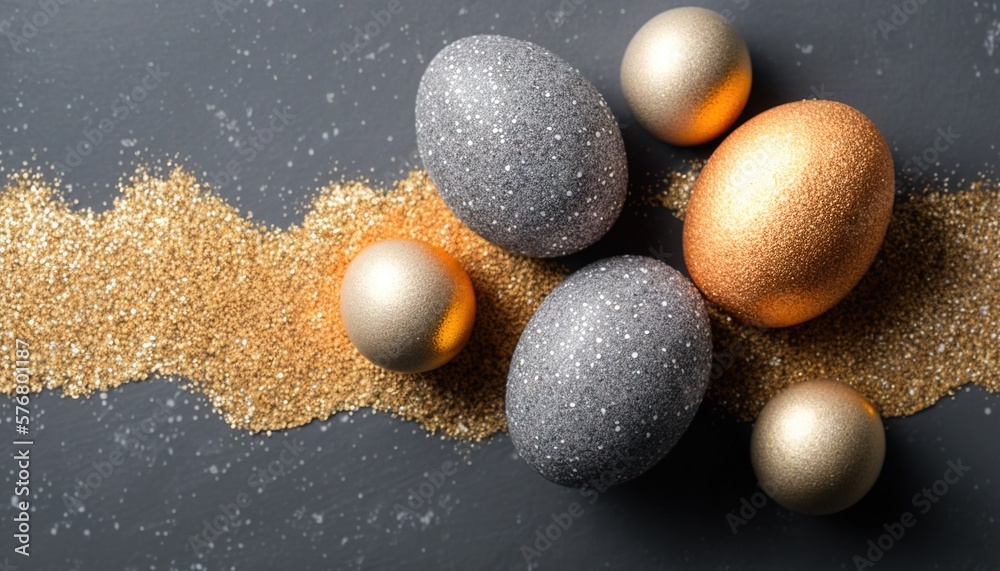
(522, 147)
(673, 190)
(408, 306)
(686, 75)
(173, 281)
(270, 352)
(789, 212)
(817, 447)
(609, 372)
(922, 322)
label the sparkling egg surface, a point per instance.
(523, 149)
(609, 372)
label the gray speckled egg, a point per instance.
(609, 372)
(523, 149)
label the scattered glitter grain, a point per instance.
(675, 189)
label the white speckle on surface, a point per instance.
(628, 377)
(462, 119)
(992, 38)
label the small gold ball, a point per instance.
(686, 75)
(818, 447)
(407, 306)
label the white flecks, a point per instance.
(992, 38)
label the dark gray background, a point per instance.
(334, 506)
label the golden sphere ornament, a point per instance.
(817, 447)
(789, 212)
(686, 75)
(408, 306)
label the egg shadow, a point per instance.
(887, 499)
(643, 229)
(700, 493)
(710, 463)
(699, 481)
(767, 91)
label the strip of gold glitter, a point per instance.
(173, 281)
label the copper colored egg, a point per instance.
(789, 212)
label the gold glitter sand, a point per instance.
(173, 281)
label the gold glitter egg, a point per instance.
(407, 306)
(686, 75)
(818, 447)
(789, 212)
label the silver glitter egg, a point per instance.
(523, 149)
(609, 372)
